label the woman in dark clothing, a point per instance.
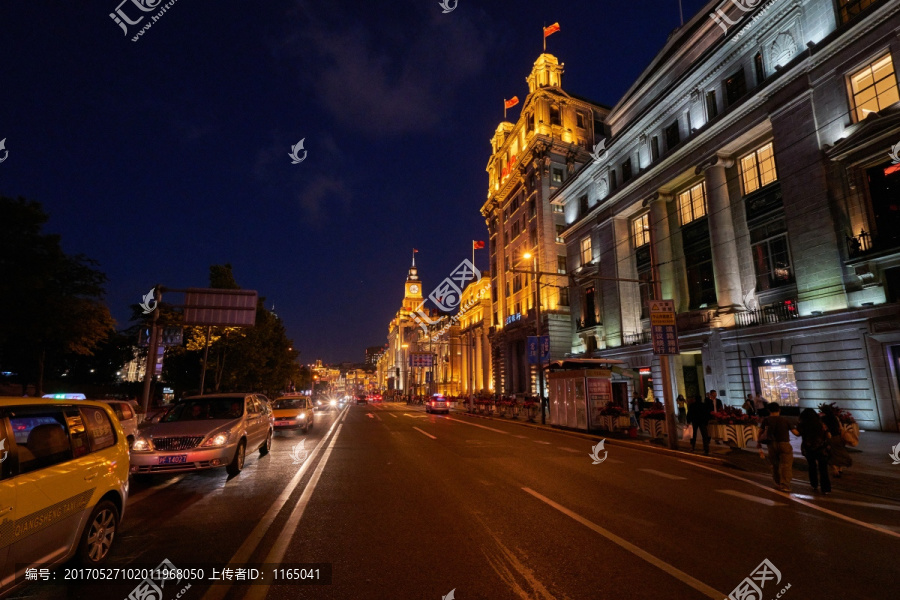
(840, 458)
(816, 447)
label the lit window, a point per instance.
(586, 254)
(557, 176)
(692, 203)
(640, 230)
(561, 264)
(556, 208)
(758, 168)
(874, 87)
(559, 230)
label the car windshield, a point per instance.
(288, 403)
(202, 409)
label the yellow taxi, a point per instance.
(63, 484)
(293, 411)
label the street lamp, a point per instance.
(537, 322)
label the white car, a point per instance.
(127, 416)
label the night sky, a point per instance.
(161, 157)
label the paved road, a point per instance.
(411, 506)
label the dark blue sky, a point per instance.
(163, 156)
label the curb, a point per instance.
(614, 441)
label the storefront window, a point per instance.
(777, 382)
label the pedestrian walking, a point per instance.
(777, 431)
(713, 396)
(815, 447)
(761, 404)
(698, 415)
(682, 408)
(750, 406)
(840, 458)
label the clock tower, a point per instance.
(413, 294)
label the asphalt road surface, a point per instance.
(404, 505)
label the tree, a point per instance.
(50, 303)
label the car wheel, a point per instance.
(237, 463)
(305, 428)
(267, 445)
(99, 533)
(130, 440)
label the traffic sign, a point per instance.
(663, 330)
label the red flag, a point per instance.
(477, 245)
(548, 31)
(414, 250)
(511, 102)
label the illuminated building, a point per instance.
(530, 160)
(753, 160)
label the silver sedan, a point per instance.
(205, 432)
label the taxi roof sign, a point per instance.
(65, 396)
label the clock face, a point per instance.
(413, 289)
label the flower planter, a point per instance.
(738, 436)
(623, 422)
(606, 422)
(654, 427)
(852, 428)
(531, 410)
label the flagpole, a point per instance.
(504, 118)
(544, 33)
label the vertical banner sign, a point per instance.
(538, 347)
(662, 327)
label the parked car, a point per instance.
(293, 412)
(63, 484)
(127, 417)
(437, 404)
(205, 432)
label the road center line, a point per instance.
(866, 504)
(280, 546)
(621, 542)
(570, 450)
(424, 433)
(751, 498)
(661, 474)
(540, 442)
(242, 556)
(477, 425)
(798, 500)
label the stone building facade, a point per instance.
(754, 161)
(530, 160)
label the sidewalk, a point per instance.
(872, 473)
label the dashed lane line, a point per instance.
(751, 498)
(424, 433)
(476, 425)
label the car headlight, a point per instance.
(141, 445)
(334, 402)
(220, 439)
(301, 416)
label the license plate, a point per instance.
(173, 460)
(282, 422)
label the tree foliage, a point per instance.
(51, 303)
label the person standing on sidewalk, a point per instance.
(750, 406)
(682, 408)
(840, 458)
(777, 430)
(713, 396)
(815, 447)
(698, 416)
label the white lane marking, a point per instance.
(798, 500)
(393, 415)
(218, 591)
(570, 450)
(424, 433)
(150, 491)
(370, 415)
(415, 416)
(521, 437)
(857, 503)
(540, 442)
(477, 425)
(279, 548)
(621, 542)
(661, 474)
(891, 527)
(751, 498)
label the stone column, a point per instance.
(659, 221)
(721, 234)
